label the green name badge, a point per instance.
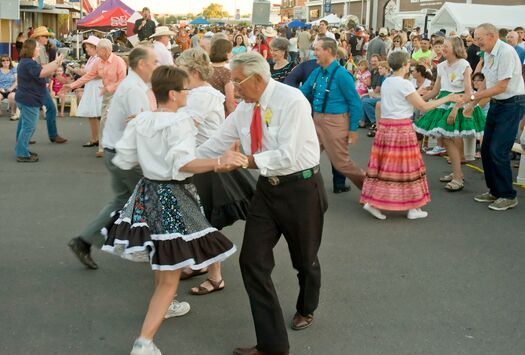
(307, 174)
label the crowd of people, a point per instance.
(180, 130)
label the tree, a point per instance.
(214, 11)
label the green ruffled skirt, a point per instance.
(434, 123)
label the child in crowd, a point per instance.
(478, 83)
(57, 82)
(363, 77)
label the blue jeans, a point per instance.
(369, 108)
(26, 128)
(500, 132)
(338, 179)
(51, 115)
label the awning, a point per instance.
(45, 11)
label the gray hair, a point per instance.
(328, 43)
(489, 28)
(196, 59)
(252, 63)
(281, 44)
(396, 60)
(139, 53)
(105, 44)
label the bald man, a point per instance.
(512, 39)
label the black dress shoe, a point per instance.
(338, 190)
(82, 250)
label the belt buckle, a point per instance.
(273, 180)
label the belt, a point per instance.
(509, 100)
(111, 150)
(300, 175)
(173, 182)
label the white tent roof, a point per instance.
(462, 16)
(331, 19)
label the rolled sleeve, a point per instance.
(506, 66)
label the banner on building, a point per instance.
(10, 9)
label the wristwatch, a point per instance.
(472, 97)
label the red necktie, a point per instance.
(256, 129)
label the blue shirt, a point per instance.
(300, 73)
(7, 80)
(31, 88)
(521, 54)
(343, 97)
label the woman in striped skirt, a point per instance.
(396, 175)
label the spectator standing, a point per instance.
(512, 40)
(303, 44)
(31, 94)
(397, 45)
(504, 83)
(261, 46)
(425, 51)
(378, 45)
(521, 36)
(20, 39)
(183, 39)
(238, 45)
(220, 53)
(145, 26)
(41, 35)
(280, 66)
(162, 41)
(293, 50)
(323, 31)
(356, 41)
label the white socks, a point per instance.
(416, 213)
(374, 211)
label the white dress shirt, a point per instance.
(130, 99)
(164, 56)
(161, 142)
(503, 63)
(207, 106)
(289, 141)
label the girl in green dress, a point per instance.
(447, 121)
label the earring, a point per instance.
(174, 100)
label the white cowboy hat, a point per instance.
(162, 31)
(42, 31)
(93, 40)
(269, 31)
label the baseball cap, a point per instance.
(383, 32)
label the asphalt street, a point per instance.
(452, 283)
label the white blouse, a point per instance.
(160, 142)
(207, 106)
(394, 104)
(452, 76)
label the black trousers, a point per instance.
(296, 210)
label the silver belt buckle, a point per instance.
(273, 180)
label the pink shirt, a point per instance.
(361, 86)
(112, 71)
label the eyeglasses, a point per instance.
(183, 90)
(238, 83)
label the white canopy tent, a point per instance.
(458, 17)
(331, 19)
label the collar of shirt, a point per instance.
(110, 59)
(330, 68)
(495, 50)
(138, 80)
(264, 100)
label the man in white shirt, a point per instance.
(504, 84)
(275, 128)
(323, 30)
(130, 98)
(162, 41)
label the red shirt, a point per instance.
(261, 48)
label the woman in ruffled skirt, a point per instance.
(396, 175)
(447, 121)
(163, 223)
(225, 197)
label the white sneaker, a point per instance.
(437, 150)
(374, 211)
(144, 347)
(177, 309)
(416, 213)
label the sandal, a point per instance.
(447, 178)
(455, 185)
(90, 144)
(185, 275)
(372, 131)
(201, 290)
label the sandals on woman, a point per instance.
(201, 290)
(188, 274)
(447, 178)
(372, 131)
(90, 144)
(455, 185)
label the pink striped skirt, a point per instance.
(396, 176)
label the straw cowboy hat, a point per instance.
(269, 32)
(162, 31)
(93, 40)
(42, 31)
